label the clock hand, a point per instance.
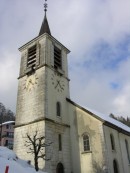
(60, 86)
(57, 83)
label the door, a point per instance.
(60, 168)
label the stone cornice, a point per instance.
(45, 65)
(42, 119)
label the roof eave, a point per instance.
(41, 36)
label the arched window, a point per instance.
(112, 142)
(127, 150)
(60, 168)
(86, 142)
(115, 166)
(58, 109)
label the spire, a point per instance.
(45, 26)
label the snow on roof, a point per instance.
(16, 165)
(103, 117)
(8, 122)
(107, 118)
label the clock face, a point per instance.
(30, 82)
(58, 82)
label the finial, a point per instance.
(45, 6)
(45, 26)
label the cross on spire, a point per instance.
(45, 6)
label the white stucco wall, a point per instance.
(82, 122)
(120, 153)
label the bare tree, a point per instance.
(36, 145)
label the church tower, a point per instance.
(41, 101)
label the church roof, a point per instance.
(106, 119)
(45, 26)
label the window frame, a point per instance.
(86, 142)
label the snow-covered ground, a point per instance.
(16, 165)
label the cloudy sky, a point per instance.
(96, 31)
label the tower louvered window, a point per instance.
(32, 57)
(57, 58)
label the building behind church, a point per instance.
(83, 141)
(7, 134)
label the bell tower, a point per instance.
(41, 101)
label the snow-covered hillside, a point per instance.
(16, 165)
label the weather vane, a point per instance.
(45, 6)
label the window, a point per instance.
(112, 142)
(86, 143)
(10, 134)
(10, 147)
(127, 150)
(57, 58)
(32, 57)
(58, 109)
(7, 126)
(6, 143)
(10, 144)
(115, 166)
(60, 142)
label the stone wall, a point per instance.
(20, 138)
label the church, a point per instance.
(83, 140)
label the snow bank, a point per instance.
(16, 165)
